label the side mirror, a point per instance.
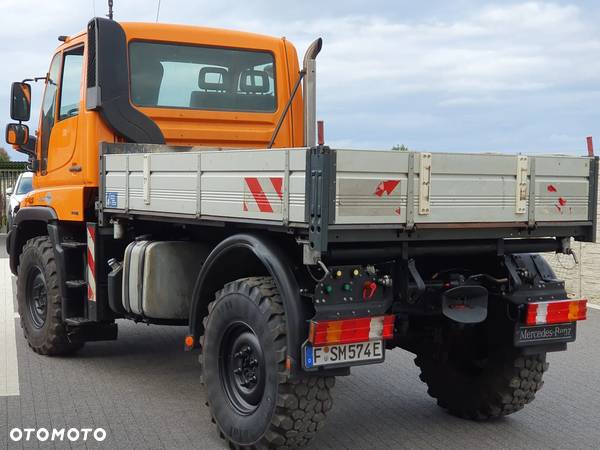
(17, 134)
(9, 191)
(20, 101)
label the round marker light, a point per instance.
(355, 272)
(189, 341)
(347, 287)
(338, 274)
(328, 289)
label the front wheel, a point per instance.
(39, 300)
(251, 399)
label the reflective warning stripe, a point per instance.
(386, 187)
(91, 263)
(277, 183)
(265, 194)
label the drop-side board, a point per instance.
(409, 194)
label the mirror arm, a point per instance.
(29, 148)
(35, 79)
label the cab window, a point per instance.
(70, 92)
(49, 108)
(196, 77)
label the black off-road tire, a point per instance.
(45, 331)
(503, 384)
(288, 413)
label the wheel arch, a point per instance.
(28, 223)
(245, 255)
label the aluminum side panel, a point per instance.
(371, 187)
(472, 188)
(249, 184)
(464, 188)
(562, 188)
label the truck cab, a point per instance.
(167, 84)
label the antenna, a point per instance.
(110, 9)
(157, 11)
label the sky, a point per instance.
(458, 76)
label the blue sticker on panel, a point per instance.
(111, 199)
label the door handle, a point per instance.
(75, 168)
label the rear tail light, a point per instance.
(348, 331)
(541, 313)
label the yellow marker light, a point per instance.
(355, 272)
(338, 274)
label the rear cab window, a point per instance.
(205, 78)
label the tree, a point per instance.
(400, 148)
(4, 157)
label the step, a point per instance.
(76, 283)
(73, 244)
(76, 321)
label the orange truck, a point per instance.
(178, 180)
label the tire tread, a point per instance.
(505, 391)
(301, 404)
(57, 341)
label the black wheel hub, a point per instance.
(242, 368)
(37, 297)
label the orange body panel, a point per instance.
(73, 144)
(226, 128)
(67, 201)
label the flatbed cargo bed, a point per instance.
(348, 195)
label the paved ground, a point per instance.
(145, 391)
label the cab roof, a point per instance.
(190, 34)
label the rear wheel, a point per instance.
(39, 300)
(473, 381)
(251, 399)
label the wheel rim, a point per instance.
(242, 368)
(37, 297)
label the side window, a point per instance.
(49, 108)
(70, 91)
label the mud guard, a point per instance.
(17, 236)
(243, 255)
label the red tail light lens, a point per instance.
(348, 331)
(556, 312)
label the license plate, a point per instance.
(540, 334)
(344, 354)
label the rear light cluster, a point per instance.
(541, 313)
(348, 331)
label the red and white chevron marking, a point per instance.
(91, 263)
(263, 194)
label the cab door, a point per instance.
(60, 116)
